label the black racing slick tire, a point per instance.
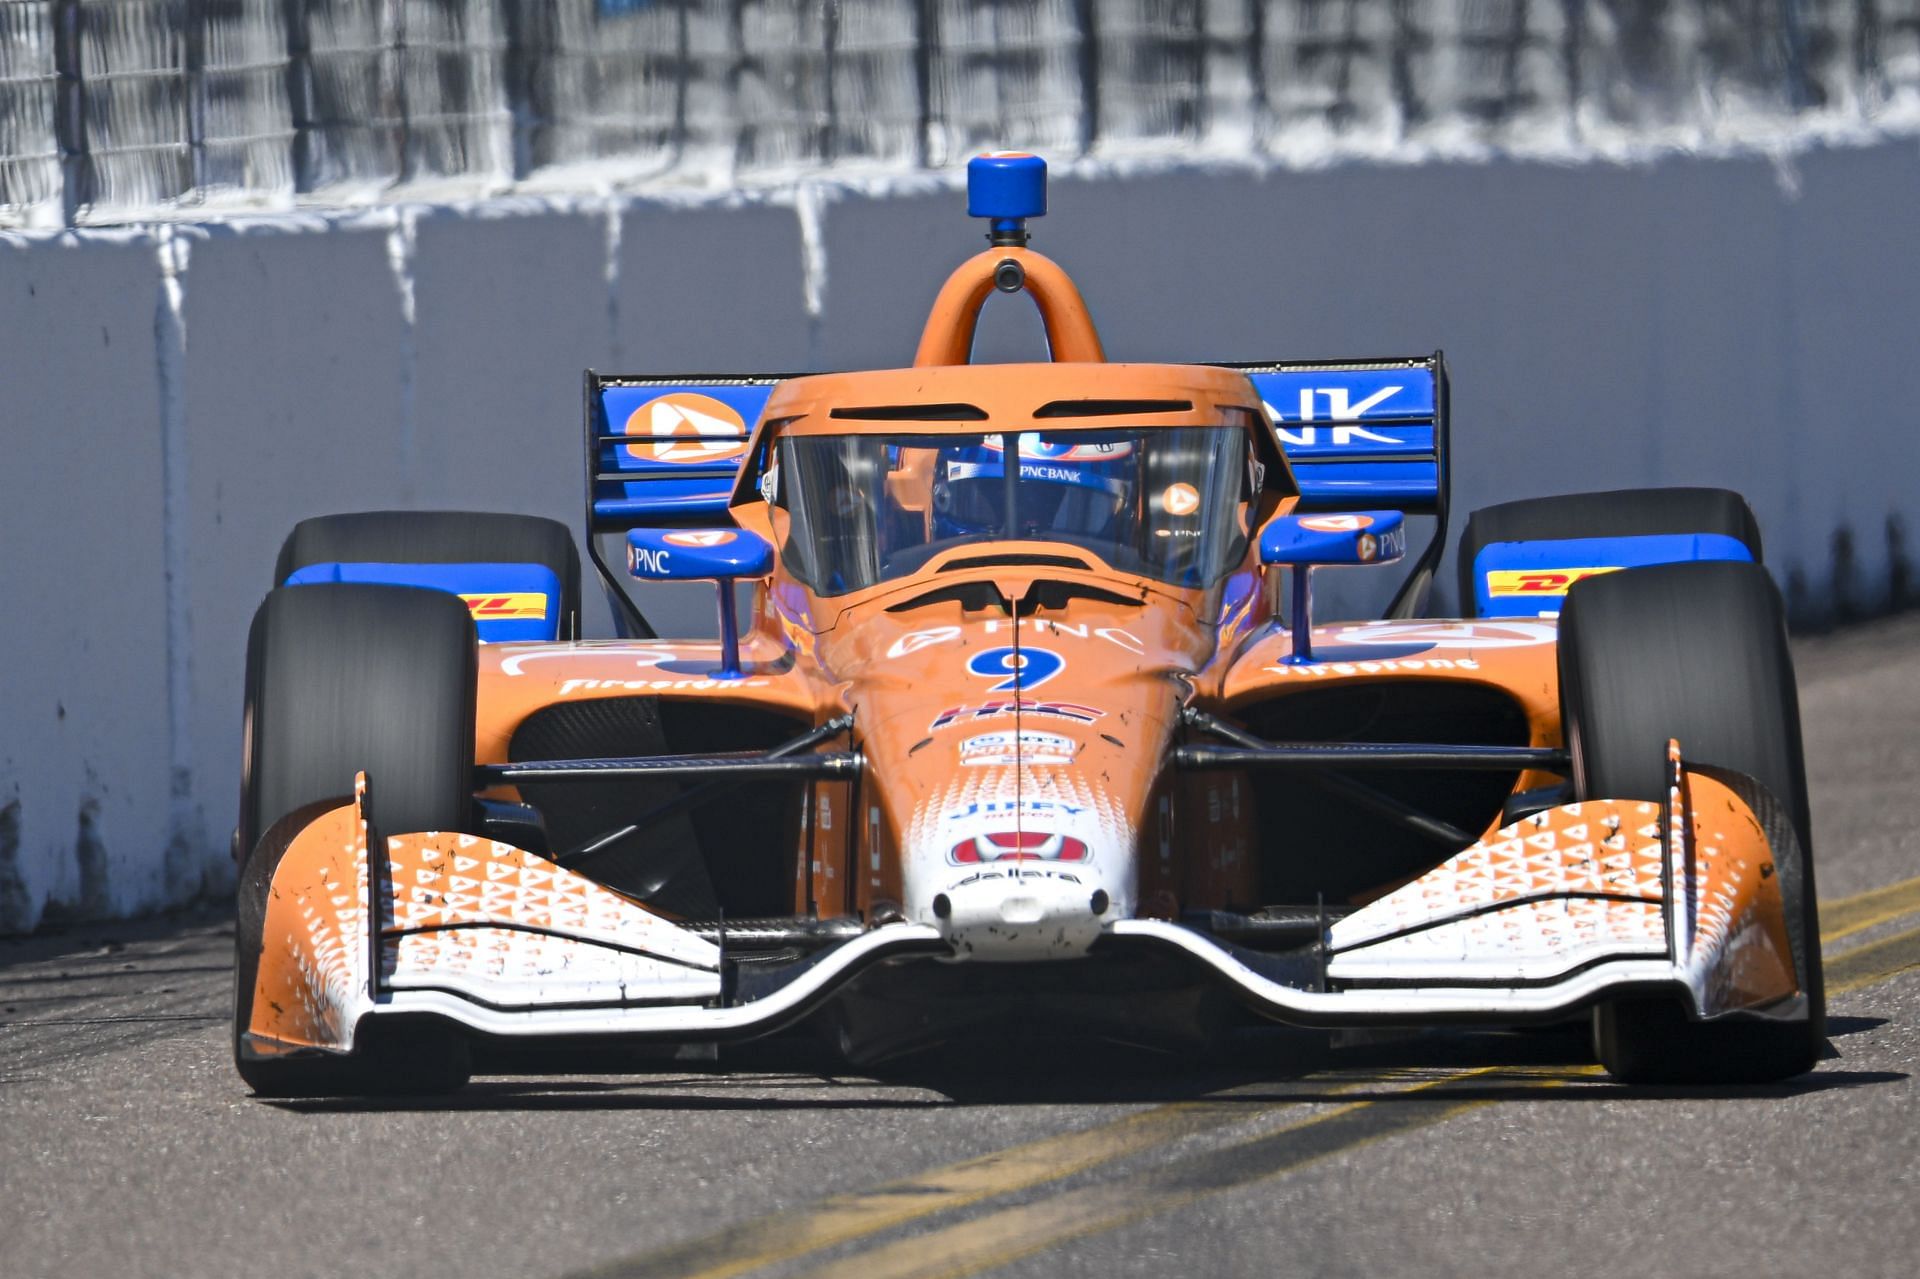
(341, 679)
(1695, 652)
(1621, 513)
(439, 537)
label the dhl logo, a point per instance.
(495, 608)
(1538, 581)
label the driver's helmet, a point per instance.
(1080, 487)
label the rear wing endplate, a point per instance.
(664, 451)
(1363, 434)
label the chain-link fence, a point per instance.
(114, 109)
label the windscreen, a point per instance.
(1166, 503)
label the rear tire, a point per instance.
(340, 679)
(439, 537)
(1621, 513)
(1695, 652)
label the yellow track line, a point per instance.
(1874, 962)
(999, 1238)
(1878, 960)
(1850, 915)
(844, 1218)
(841, 1218)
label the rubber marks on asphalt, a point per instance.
(1329, 1116)
(1319, 1118)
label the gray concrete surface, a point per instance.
(129, 1148)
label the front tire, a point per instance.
(341, 679)
(1695, 652)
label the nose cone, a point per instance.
(1022, 758)
(1021, 912)
(1019, 863)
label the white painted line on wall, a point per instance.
(184, 839)
(402, 238)
(616, 215)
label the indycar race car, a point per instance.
(1013, 710)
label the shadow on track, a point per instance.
(1546, 1066)
(89, 948)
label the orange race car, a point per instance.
(1015, 711)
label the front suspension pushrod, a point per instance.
(1311, 755)
(743, 764)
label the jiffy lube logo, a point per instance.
(1015, 809)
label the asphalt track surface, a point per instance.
(129, 1147)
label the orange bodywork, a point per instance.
(1129, 667)
(1543, 897)
(991, 771)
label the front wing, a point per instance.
(1569, 906)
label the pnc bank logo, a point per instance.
(1341, 417)
(687, 429)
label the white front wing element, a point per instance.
(513, 969)
(471, 920)
(1538, 919)
(1535, 900)
(1491, 1003)
(496, 924)
(1548, 914)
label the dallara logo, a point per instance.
(1538, 581)
(496, 608)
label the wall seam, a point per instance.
(173, 251)
(402, 242)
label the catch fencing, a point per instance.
(118, 110)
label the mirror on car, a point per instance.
(697, 554)
(1350, 537)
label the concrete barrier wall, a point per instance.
(176, 398)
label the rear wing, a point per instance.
(1361, 434)
(663, 452)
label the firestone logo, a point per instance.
(1449, 634)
